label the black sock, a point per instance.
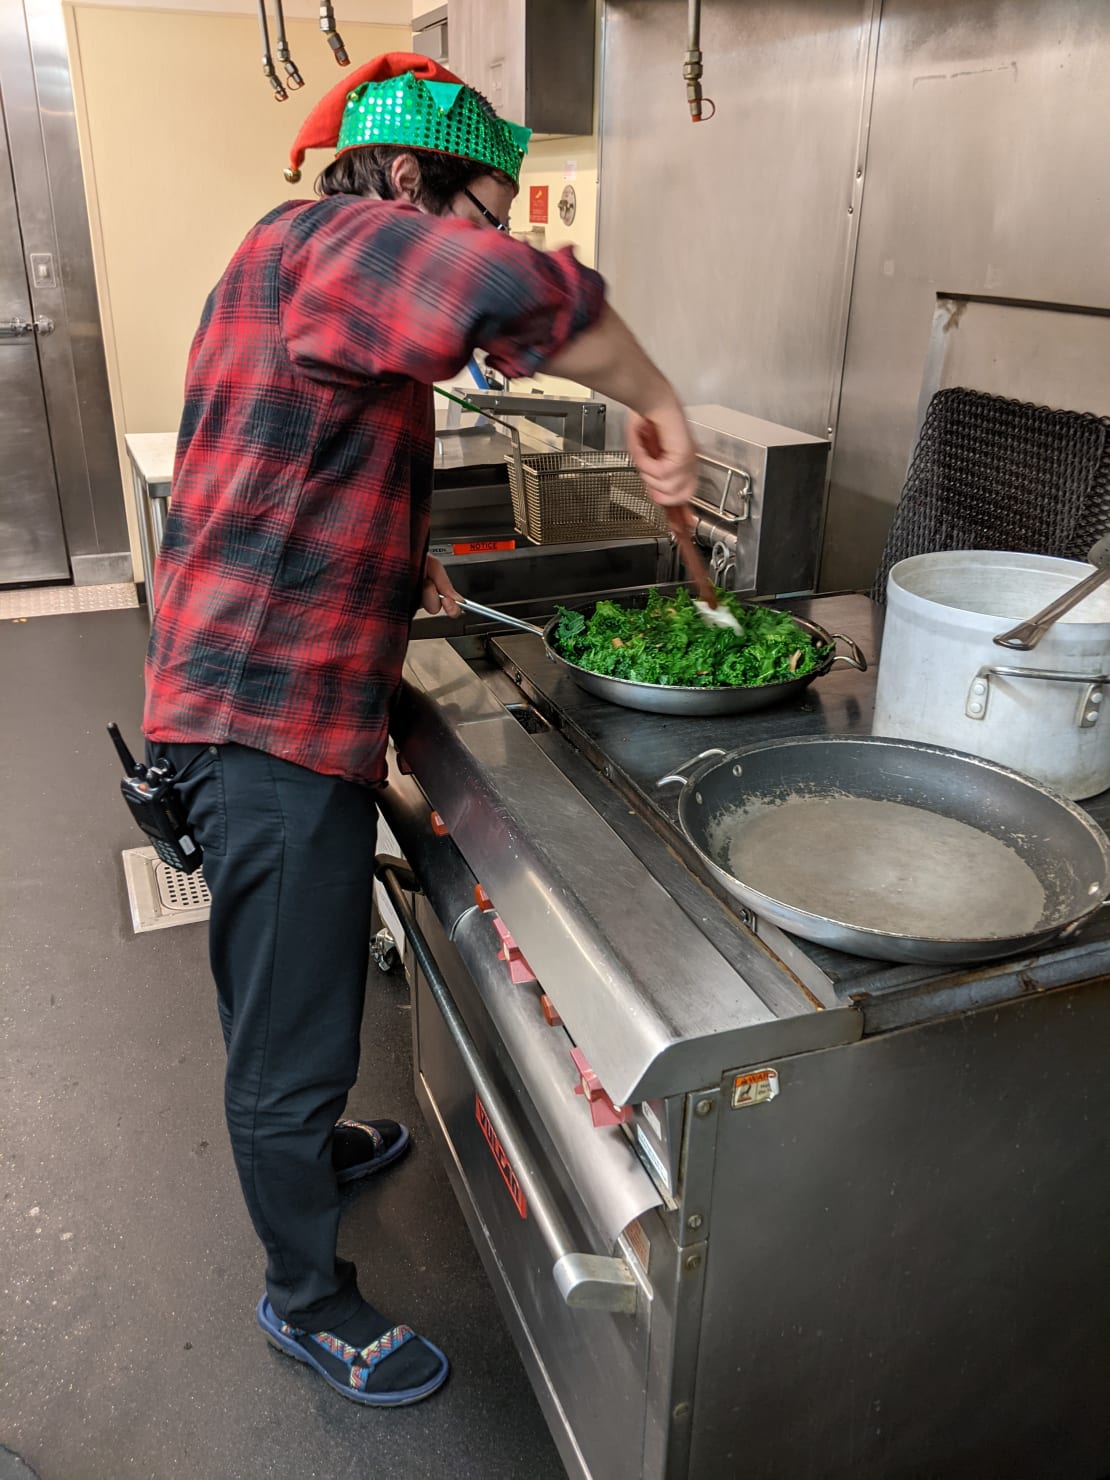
(350, 1148)
(410, 1366)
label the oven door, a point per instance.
(580, 1315)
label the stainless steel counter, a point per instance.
(151, 456)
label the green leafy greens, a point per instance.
(669, 642)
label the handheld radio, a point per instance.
(151, 798)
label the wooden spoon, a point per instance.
(707, 601)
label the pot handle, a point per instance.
(854, 658)
(676, 778)
(1090, 701)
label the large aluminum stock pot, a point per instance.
(943, 680)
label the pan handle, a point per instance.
(854, 658)
(496, 616)
(676, 778)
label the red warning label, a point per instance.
(479, 547)
(755, 1088)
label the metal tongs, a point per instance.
(1026, 635)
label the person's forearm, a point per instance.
(607, 358)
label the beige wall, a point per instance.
(183, 147)
(550, 162)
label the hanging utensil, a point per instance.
(331, 35)
(280, 95)
(281, 45)
(1026, 635)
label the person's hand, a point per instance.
(663, 451)
(439, 594)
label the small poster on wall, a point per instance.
(537, 205)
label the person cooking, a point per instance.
(294, 558)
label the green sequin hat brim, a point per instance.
(444, 117)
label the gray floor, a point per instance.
(128, 1269)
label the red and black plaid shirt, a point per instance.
(294, 550)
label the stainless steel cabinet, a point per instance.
(32, 544)
(533, 59)
(61, 503)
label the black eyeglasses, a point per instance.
(488, 214)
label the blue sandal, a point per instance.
(329, 1356)
(385, 1141)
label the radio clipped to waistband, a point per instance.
(151, 797)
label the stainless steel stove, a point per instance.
(750, 1206)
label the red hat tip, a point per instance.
(320, 129)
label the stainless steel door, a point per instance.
(32, 542)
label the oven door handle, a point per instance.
(585, 1281)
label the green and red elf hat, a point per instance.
(411, 102)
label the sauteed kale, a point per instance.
(669, 642)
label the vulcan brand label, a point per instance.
(755, 1088)
(504, 1166)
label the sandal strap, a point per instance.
(373, 1355)
(369, 1130)
(361, 1361)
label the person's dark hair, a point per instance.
(365, 171)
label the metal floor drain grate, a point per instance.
(179, 891)
(161, 896)
(54, 601)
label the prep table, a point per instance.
(750, 1205)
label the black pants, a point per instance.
(288, 859)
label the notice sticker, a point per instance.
(755, 1088)
(480, 547)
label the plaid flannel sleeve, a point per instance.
(373, 290)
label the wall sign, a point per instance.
(537, 205)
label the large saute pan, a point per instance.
(893, 849)
(659, 698)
